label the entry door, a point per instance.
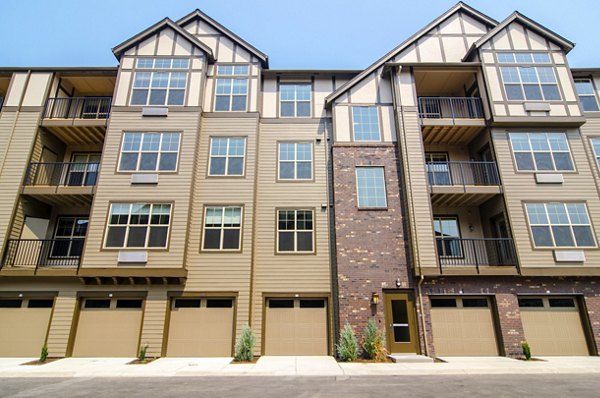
(400, 323)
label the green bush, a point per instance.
(142, 353)
(347, 348)
(244, 346)
(372, 340)
(44, 353)
(526, 350)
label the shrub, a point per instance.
(372, 340)
(526, 350)
(142, 353)
(44, 353)
(347, 348)
(380, 351)
(244, 346)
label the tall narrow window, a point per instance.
(222, 228)
(295, 160)
(365, 123)
(587, 97)
(227, 156)
(541, 151)
(295, 231)
(438, 168)
(370, 185)
(447, 236)
(294, 100)
(149, 152)
(560, 225)
(69, 236)
(165, 87)
(231, 93)
(138, 225)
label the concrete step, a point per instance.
(410, 358)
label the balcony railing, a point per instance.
(462, 173)
(62, 174)
(475, 252)
(77, 108)
(40, 253)
(1, 102)
(450, 108)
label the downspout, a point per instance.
(422, 315)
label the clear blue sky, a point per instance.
(311, 34)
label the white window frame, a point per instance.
(593, 94)
(596, 153)
(354, 123)
(227, 156)
(358, 201)
(550, 151)
(129, 225)
(295, 101)
(295, 231)
(537, 83)
(141, 151)
(549, 224)
(222, 228)
(295, 161)
(222, 74)
(151, 67)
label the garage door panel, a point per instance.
(23, 331)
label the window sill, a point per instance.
(372, 208)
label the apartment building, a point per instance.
(449, 190)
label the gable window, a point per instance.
(528, 81)
(560, 225)
(295, 160)
(164, 87)
(69, 236)
(294, 100)
(295, 231)
(222, 228)
(138, 225)
(227, 156)
(541, 151)
(370, 186)
(587, 97)
(149, 152)
(447, 236)
(231, 93)
(365, 123)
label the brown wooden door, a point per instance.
(400, 323)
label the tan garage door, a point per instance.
(108, 328)
(23, 326)
(463, 326)
(200, 327)
(553, 326)
(296, 327)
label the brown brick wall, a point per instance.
(370, 244)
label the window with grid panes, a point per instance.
(294, 100)
(370, 185)
(527, 81)
(541, 151)
(365, 123)
(560, 225)
(156, 81)
(295, 160)
(227, 156)
(295, 231)
(138, 225)
(587, 96)
(149, 152)
(222, 228)
(231, 93)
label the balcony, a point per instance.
(62, 184)
(450, 120)
(480, 253)
(462, 183)
(77, 120)
(42, 254)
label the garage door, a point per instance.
(463, 326)
(108, 328)
(296, 327)
(23, 326)
(200, 327)
(553, 326)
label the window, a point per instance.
(149, 152)
(560, 225)
(294, 100)
(528, 82)
(83, 170)
(596, 148)
(227, 156)
(69, 236)
(523, 58)
(232, 92)
(295, 160)
(475, 302)
(159, 88)
(365, 123)
(447, 236)
(531, 302)
(129, 303)
(138, 225)
(443, 303)
(370, 185)
(97, 303)
(219, 303)
(585, 91)
(438, 169)
(541, 151)
(295, 231)
(222, 228)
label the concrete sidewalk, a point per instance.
(292, 366)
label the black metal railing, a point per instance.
(77, 108)
(450, 108)
(462, 173)
(62, 174)
(39, 253)
(475, 252)
(1, 102)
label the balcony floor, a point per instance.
(451, 131)
(461, 196)
(77, 131)
(61, 196)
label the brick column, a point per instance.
(511, 327)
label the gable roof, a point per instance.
(460, 6)
(126, 45)
(214, 24)
(563, 43)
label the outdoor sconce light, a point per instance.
(471, 227)
(398, 283)
(374, 298)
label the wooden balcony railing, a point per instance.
(62, 174)
(77, 108)
(480, 252)
(450, 108)
(463, 173)
(40, 253)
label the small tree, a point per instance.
(244, 347)
(44, 353)
(372, 340)
(526, 350)
(347, 348)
